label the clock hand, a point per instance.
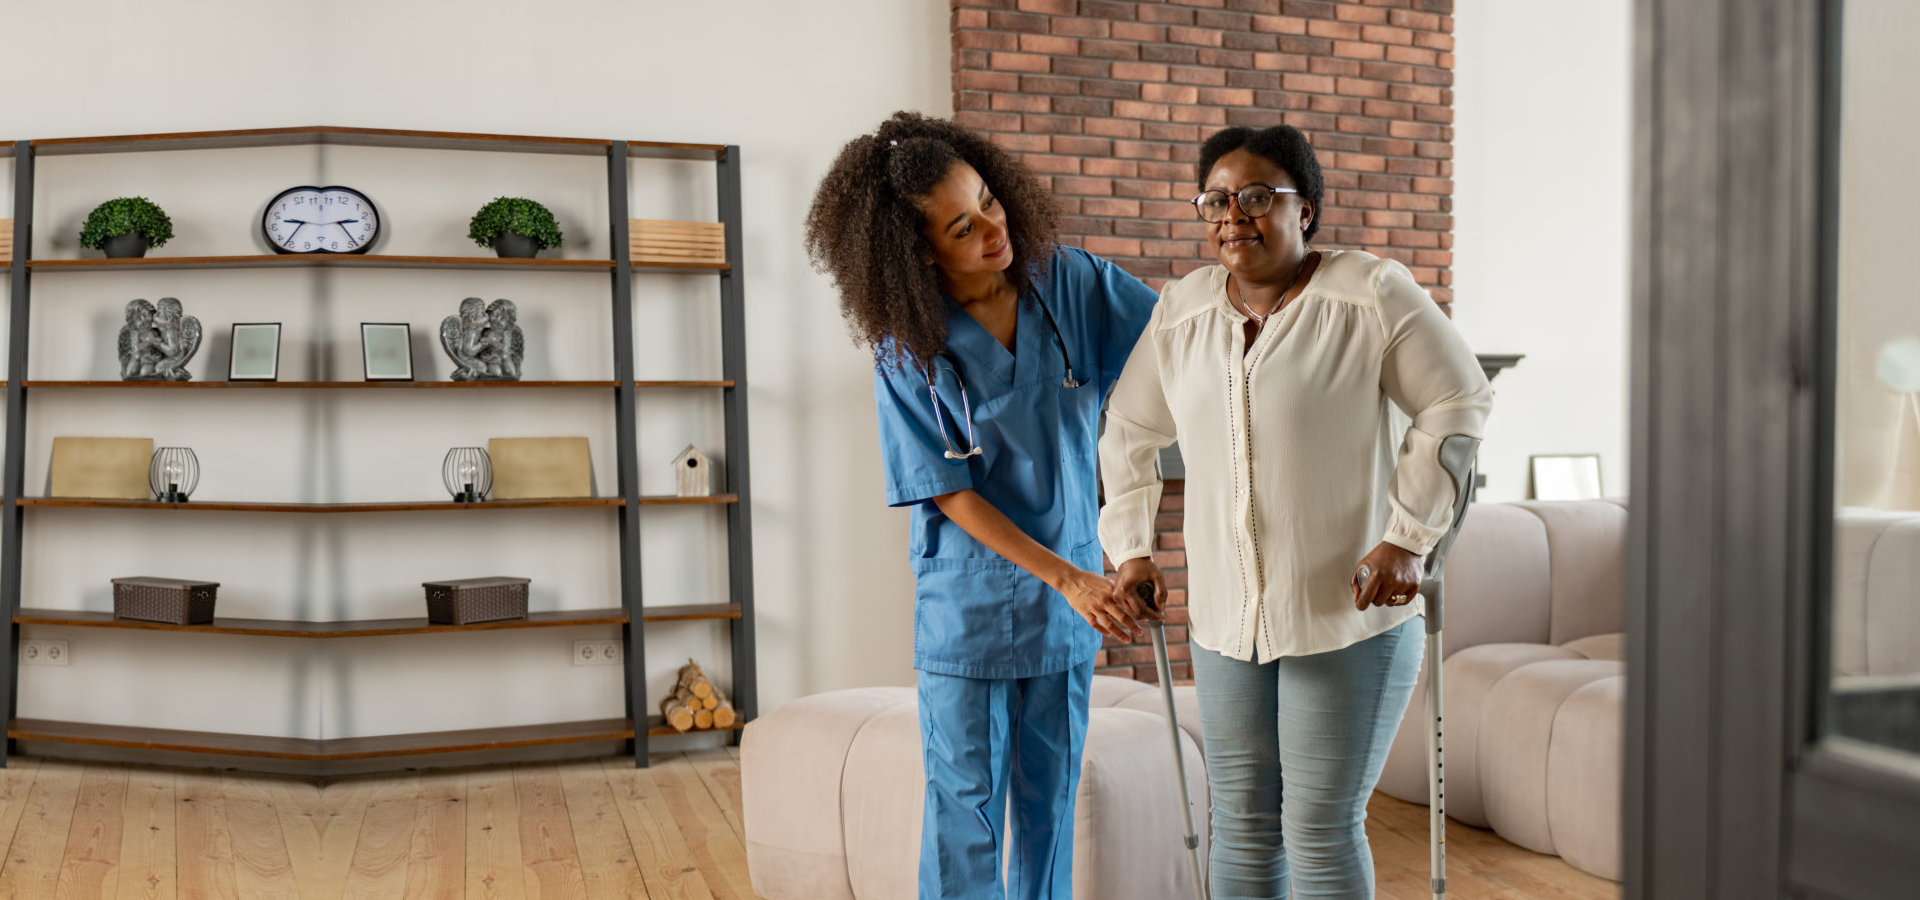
(296, 230)
(343, 230)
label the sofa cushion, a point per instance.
(1856, 533)
(1601, 646)
(1587, 544)
(1516, 738)
(1498, 582)
(1892, 613)
(1585, 762)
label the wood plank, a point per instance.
(496, 869)
(32, 867)
(660, 850)
(710, 838)
(727, 383)
(437, 860)
(689, 612)
(658, 266)
(16, 792)
(328, 135)
(321, 826)
(148, 847)
(658, 727)
(379, 867)
(161, 739)
(479, 739)
(321, 751)
(262, 867)
(689, 501)
(607, 858)
(386, 507)
(319, 385)
(321, 261)
(720, 774)
(203, 839)
(355, 628)
(546, 836)
(90, 867)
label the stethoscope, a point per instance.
(966, 406)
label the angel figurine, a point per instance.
(138, 341)
(461, 335)
(503, 344)
(179, 340)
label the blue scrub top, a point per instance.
(977, 615)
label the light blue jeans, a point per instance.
(1294, 748)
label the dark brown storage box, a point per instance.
(170, 600)
(469, 600)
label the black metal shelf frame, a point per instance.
(733, 393)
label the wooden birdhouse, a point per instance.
(690, 473)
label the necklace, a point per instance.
(1232, 284)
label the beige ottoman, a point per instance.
(832, 787)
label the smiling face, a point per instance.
(965, 225)
(1266, 249)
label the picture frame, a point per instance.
(386, 351)
(1564, 476)
(254, 352)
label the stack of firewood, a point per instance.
(695, 704)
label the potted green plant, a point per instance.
(514, 227)
(125, 227)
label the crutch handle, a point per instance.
(1148, 594)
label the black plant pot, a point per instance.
(515, 246)
(131, 245)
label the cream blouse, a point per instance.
(1296, 463)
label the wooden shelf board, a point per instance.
(690, 612)
(218, 506)
(639, 266)
(320, 385)
(658, 727)
(323, 261)
(321, 135)
(727, 383)
(669, 150)
(320, 750)
(343, 629)
(689, 501)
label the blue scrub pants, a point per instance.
(1294, 748)
(985, 740)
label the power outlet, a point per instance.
(597, 652)
(43, 653)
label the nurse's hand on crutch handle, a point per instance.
(1127, 588)
(1092, 596)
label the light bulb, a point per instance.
(173, 471)
(467, 470)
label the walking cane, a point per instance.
(1146, 592)
(1457, 455)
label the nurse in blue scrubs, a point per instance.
(994, 349)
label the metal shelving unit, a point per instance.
(632, 614)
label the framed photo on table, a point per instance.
(386, 349)
(1572, 476)
(255, 352)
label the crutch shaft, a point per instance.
(1179, 759)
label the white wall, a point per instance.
(787, 81)
(1542, 109)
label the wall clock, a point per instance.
(320, 220)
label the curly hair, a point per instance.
(864, 229)
(1282, 145)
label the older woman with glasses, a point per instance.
(1309, 505)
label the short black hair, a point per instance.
(1285, 147)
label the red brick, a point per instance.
(1082, 68)
(1020, 62)
(1033, 124)
(1143, 190)
(972, 100)
(1339, 68)
(1109, 167)
(1383, 34)
(1191, 229)
(1048, 84)
(1259, 81)
(1107, 9)
(1051, 44)
(1169, 93)
(1427, 239)
(1436, 77)
(1123, 208)
(1080, 145)
(1386, 219)
(1172, 133)
(1076, 26)
(1413, 167)
(1013, 21)
(1164, 14)
(1439, 115)
(1313, 9)
(1358, 50)
(1121, 50)
(1129, 109)
(1415, 130)
(1173, 210)
(1266, 7)
(1081, 106)
(1205, 77)
(1358, 162)
(1052, 165)
(1310, 83)
(1174, 541)
(1170, 250)
(1436, 150)
(1418, 21)
(1136, 31)
(1139, 71)
(1226, 96)
(1112, 128)
(987, 40)
(1417, 202)
(1339, 106)
(1187, 153)
(1140, 228)
(969, 18)
(1170, 53)
(1109, 246)
(1387, 109)
(1199, 115)
(1345, 31)
(1021, 103)
(1279, 25)
(1415, 93)
(1389, 72)
(1370, 15)
(969, 59)
(1433, 185)
(1018, 143)
(1390, 147)
(1110, 90)
(1086, 187)
(1364, 200)
(1247, 117)
(1224, 59)
(1362, 236)
(1360, 87)
(1433, 222)
(1198, 37)
(986, 121)
(1242, 40)
(1142, 150)
(1439, 258)
(1050, 7)
(1413, 56)
(1305, 46)
(976, 80)
(1389, 183)
(1314, 122)
(1225, 21)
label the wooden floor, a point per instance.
(589, 829)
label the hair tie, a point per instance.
(892, 143)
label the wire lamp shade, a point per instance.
(173, 474)
(468, 474)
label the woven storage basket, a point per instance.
(169, 600)
(469, 600)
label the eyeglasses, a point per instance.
(1254, 199)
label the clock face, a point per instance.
(320, 220)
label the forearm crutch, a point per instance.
(1147, 593)
(1457, 455)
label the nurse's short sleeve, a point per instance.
(1123, 304)
(912, 454)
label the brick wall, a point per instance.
(1108, 101)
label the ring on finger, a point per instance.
(1399, 598)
